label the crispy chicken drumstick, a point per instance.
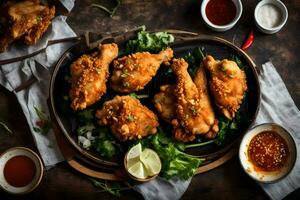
(187, 105)
(89, 75)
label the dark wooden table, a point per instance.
(226, 182)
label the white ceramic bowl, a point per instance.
(239, 10)
(267, 177)
(21, 151)
(284, 16)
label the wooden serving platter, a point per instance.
(93, 165)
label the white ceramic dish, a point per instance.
(284, 16)
(267, 177)
(239, 10)
(21, 151)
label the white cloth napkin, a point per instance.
(278, 106)
(14, 74)
(20, 49)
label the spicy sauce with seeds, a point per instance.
(19, 171)
(268, 151)
(220, 12)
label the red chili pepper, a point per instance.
(40, 123)
(249, 40)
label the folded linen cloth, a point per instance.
(17, 50)
(276, 106)
(14, 74)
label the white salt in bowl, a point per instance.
(282, 11)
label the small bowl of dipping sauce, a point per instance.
(21, 170)
(221, 15)
(270, 16)
(267, 153)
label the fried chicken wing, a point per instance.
(89, 75)
(228, 84)
(127, 118)
(131, 73)
(26, 19)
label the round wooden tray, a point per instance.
(89, 164)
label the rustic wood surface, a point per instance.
(226, 182)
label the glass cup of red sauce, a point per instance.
(21, 170)
(221, 15)
(268, 153)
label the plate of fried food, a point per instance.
(24, 21)
(188, 99)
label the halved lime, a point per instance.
(142, 164)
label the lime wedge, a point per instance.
(137, 170)
(151, 161)
(135, 151)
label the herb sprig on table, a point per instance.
(5, 127)
(43, 124)
(110, 11)
(112, 187)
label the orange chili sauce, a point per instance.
(19, 171)
(268, 151)
(220, 12)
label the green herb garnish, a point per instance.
(130, 118)
(105, 147)
(138, 96)
(152, 42)
(39, 18)
(194, 59)
(174, 161)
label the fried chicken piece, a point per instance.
(164, 102)
(206, 111)
(228, 85)
(127, 118)
(89, 75)
(28, 19)
(131, 73)
(188, 107)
